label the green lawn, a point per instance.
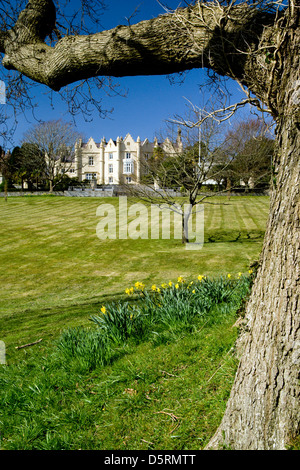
(149, 374)
(165, 389)
(55, 272)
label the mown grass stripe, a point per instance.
(51, 257)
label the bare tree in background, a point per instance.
(55, 140)
(255, 43)
(176, 175)
(246, 158)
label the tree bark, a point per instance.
(263, 411)
(160, 46)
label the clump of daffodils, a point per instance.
(129, 291)
(154, 288)
(139, 287)
(162, 291)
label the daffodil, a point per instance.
(180, 279)
(176, 286)
(164, 285)
(153, 287)
(240, 274)
(250, 271)
(129, 291)
(170, 283)
(229, 276)
(200, 277)
(193, 291)
(139, 285)
(103, 310)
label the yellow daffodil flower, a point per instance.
(129, 291)
(103, 310)
(139, 285)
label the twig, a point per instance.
(172, 430)
(174, 418)
(220, 366)
(29, 344)
(168, 373)
(147, 442)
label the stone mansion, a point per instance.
(121, 161)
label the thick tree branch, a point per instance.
(160, 46)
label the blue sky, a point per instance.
(149, 102)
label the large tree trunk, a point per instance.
(263, 411)
(260, 49)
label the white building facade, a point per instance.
(121, 161)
